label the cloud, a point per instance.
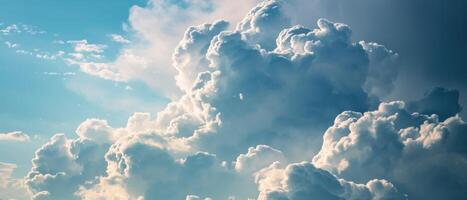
(157, 28)
(263, 23)
(10, 29)
(188, 57)
(99, 69)
(145, 169)
(421, 67)
(59, 73)
(98, 131)
(311, 76)
(11, 188)
(414, 151)
(14, 136)
(6, 169)
(266, 83)
(49, 56)
(292, 82)
(192, 197)
(84, 46)
(62, 165)
(11, 45)
(258, 158)
(119, 39)
(302, 181)
(383, 71)
(440, 101)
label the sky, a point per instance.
(215, 99)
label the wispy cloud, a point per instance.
(59, 73)
(48, 56)
(11, 45)
(6, 169)
(88, 56)
(21, 28)
(11, 188)
(10, 29)
(85, 46)
(119, 39)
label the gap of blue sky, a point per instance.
(42, 96)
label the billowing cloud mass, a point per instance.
(255, 101)
(14, 136)
(157, 28)
(414, 151)
(62, 165)
(302, 181)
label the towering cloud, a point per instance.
(257, 96)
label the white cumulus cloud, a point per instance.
(412, 150)
(250, 98)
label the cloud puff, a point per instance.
(62, 165)
(258, 158)
(14, 136)
(188, 58)
(98, 131)
(145, 169)
(383, 69)
(310, 77)
(302, 181)
(414, 151)
(263, 23)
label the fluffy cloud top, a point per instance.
(62, 165)
(98, 131)
(414, 151)
(227, 74)
(258, 158)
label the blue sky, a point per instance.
(49, 94)
(221, 99)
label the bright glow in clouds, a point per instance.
(251, 102)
